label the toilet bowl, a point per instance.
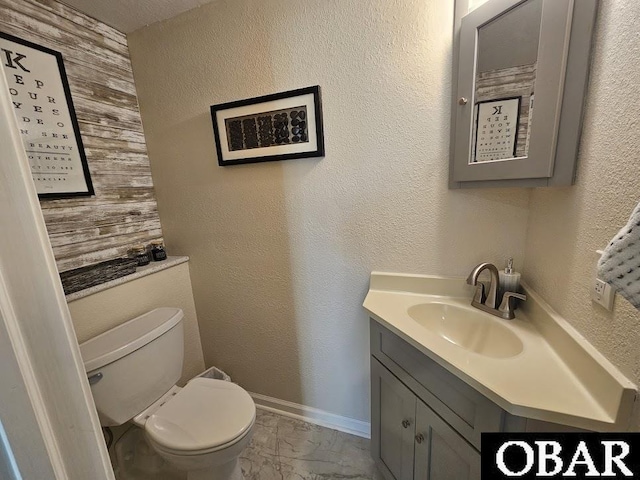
(201, 428)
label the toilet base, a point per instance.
(227, 471)
(220, 464)
(134, 459)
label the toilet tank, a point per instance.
(132, 365)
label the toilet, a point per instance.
(201, 428)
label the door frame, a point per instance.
(49, 415)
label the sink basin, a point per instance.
(467, 328)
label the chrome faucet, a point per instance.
(489, 302)
(490, 299)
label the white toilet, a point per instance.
(133, 369)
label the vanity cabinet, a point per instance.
(414, 443)
(426, 423)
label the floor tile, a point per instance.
(284, 448)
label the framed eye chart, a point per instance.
(48, 125)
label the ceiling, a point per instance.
(130, 15)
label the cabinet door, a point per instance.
(498, 138)
(393, 413)
(440, 453)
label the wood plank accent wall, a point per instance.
(84, 231)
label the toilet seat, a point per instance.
(205, 416)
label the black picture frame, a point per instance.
(477, 125)
(309, 143)
(89, 191)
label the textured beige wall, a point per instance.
(101, 311)
(281, 252)
(566, 226)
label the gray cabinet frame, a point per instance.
(463, 461)
(392, 443)
(564, 56)
(395, 429)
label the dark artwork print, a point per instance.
(250, 133)
(265, 130)
(281, 128)
(268, 129)
(234, 131)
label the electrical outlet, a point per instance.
(603, 294)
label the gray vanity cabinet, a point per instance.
(426, 423)
(396, 423)
(411, 442)
(442, 454)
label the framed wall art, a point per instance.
(281, 126)
(48, 125)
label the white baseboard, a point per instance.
(313, 415)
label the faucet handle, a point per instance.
(505, 306)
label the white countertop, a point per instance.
(558, 377)
(153, 267)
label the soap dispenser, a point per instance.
(509, 279)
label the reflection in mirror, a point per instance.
(506, 61)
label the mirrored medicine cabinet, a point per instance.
(521, 70)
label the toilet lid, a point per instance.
(205, 414)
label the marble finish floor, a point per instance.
(284, 448)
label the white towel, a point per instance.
(620, 263)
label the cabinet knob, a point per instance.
(463, 101)
(406, 423)
(419, 438)
(95, 378)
